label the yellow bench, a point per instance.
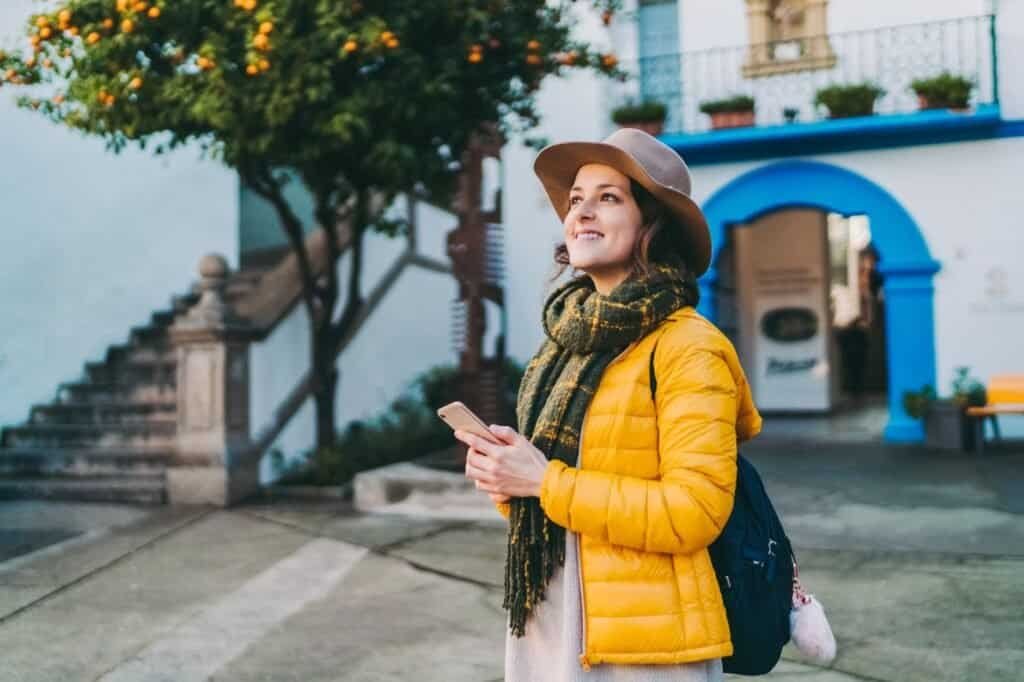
(1004, 394)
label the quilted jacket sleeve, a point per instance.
(686, 509)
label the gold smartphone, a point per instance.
(460, 417)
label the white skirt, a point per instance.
(550, 649)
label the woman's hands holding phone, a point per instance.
(513, 468)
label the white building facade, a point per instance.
(900, 230)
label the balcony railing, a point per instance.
(786, 75)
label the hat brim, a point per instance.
(557, 165)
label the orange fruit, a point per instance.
(476, 47)
(533, 45)
(140, 7)
(42, 21)
(154, 13)
(11, 74)
(261, 42)
(101, 95)
(34, 40)
(350, 46)
(127, 26)
(64, 16)
(30, 62)
(385, 36)
(45, 32)
(110, 100)
(252, 69)
(135, 83)
(266, 27)
(108, 23)
(249, 5)
(609, 60)
(48, 63)
(263, 64)
(534, 59)
(122, 5)
(475, 57)
(58, 99)
(73, 30)
(393, 43)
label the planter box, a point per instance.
(946, 427)
(731, 119)
(654, 128)
(852, 115)
(924, 104)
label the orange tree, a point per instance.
(359, 100)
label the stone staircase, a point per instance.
(109, 435)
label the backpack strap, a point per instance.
(650, 371)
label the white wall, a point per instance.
(90, 243)
(408, 334)
(712, 23)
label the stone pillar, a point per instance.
(213, 464)
(816, 28)
(759, 23)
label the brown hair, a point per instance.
(660, 239)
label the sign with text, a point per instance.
(782, 290)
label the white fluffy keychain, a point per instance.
(809, 629)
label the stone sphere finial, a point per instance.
(213, 266)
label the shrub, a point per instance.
(649, 110)
(944, 91)
(849, 100)
(735, 103)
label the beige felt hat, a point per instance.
(653, 164)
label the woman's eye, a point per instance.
(609, 195)
(574, 200)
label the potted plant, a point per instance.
(648, 116)
(844, 101)
(944, 91)
(731, 112)
(945, 422)
(790, 114)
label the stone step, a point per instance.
(87, 392)
(152, 434)
(131, 371)
(100, 489)
(153, 352)
(103, 413)
(136, 463)
(146, 333)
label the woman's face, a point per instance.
(602, 225)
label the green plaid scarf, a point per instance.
(585, 331)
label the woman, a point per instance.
(612, 494)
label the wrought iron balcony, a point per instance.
(786, 75)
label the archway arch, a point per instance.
(906, 261)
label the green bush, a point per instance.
(408, 429)
(849, 100)
(735, 103)
(944, 91)
(967, 392)
(649, 110)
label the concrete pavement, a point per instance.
(918, 558)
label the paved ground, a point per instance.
(918, 558)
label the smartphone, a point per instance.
(460, 417)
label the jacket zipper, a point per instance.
(584, 658)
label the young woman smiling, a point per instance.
(613, 496)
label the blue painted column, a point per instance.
(910, 341)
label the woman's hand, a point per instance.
(513, 468)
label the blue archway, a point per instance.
(906, 262)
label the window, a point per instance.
(786, 36)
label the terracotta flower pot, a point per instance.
(654, 128)
(925, 104)
(731, 119)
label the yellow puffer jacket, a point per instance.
(651, 493)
